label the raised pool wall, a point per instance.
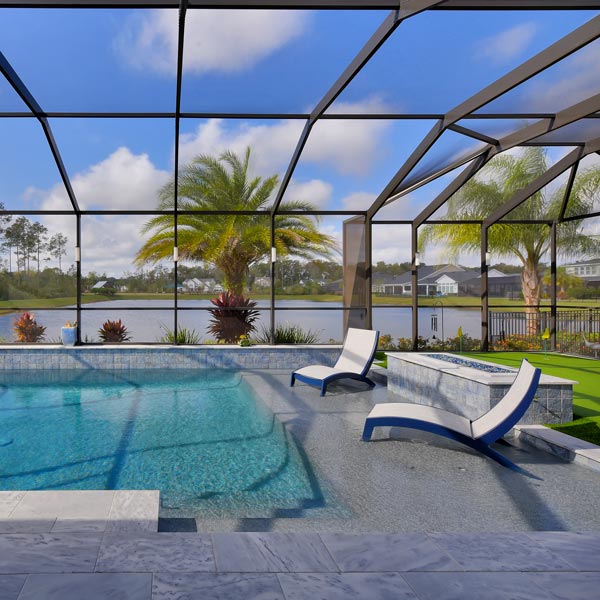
(165, 357)
(420, 379)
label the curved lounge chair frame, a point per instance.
(354, 362)
(483, 431)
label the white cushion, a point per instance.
(317, 371)
(420, 412)
(357, 350)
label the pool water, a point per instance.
(201, 437)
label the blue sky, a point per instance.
(254, 61)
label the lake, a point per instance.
(149, 325)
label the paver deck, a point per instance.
(142, 565)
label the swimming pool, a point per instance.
(200, 437)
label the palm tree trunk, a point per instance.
(235, 274)
(531, 285)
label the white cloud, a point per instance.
(570, 81)
(506, 45)
(348, 147)
(216, 40)
(358, 201)
(315, 191)
(121, 181)
(272, 145)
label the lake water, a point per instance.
(149, 325)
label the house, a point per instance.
(427, 281)
(200, 286)
(588, 270)
(262, 282)
(105, 286)
(452, 280)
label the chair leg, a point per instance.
(367, 431)
(369, 381)
(293, 380)
(323, 387)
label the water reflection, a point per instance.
(149, 325)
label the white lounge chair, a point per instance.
(478, 434)
(354, 362)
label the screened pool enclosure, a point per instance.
(433, 167)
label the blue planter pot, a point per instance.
(68, 335)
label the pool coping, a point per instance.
(560, 444)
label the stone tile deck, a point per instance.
(142, 565)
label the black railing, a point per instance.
(512, 330)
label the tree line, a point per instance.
(28, 243)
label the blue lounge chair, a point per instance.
(354, 362)
(478, 434)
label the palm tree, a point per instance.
(231, 242)
(495, 185)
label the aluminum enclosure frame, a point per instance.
(400, 10)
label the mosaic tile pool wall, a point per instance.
(172, 357)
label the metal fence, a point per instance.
(525, 331)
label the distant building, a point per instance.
(262, 282)
(200, 286)
(588, 270)
(451, 280)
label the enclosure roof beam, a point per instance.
(565, 117)
(543, 180)
(308, 4)
(408, 8)
(27, 97)
(570, 43)
(568, 188)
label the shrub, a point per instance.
(28, 329)
(386, 342)
(113, 331)
(184, 336)
(518, 343)
(232, 318)
(287, 334)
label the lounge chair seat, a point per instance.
(477, 434)
(354, 362)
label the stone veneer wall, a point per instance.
(172, 357)
(420, 384)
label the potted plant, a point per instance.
(68, 333)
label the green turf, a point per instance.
(587, 429)
(586, 371)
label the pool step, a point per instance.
(79, 511)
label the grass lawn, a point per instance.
(586, 394)
(587, 429)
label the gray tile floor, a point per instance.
(261, 566)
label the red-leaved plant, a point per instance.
(232, 317)
(28, 329)
(113, 331)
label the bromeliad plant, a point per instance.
(113, 331)
(28, 329)
(232, 318)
